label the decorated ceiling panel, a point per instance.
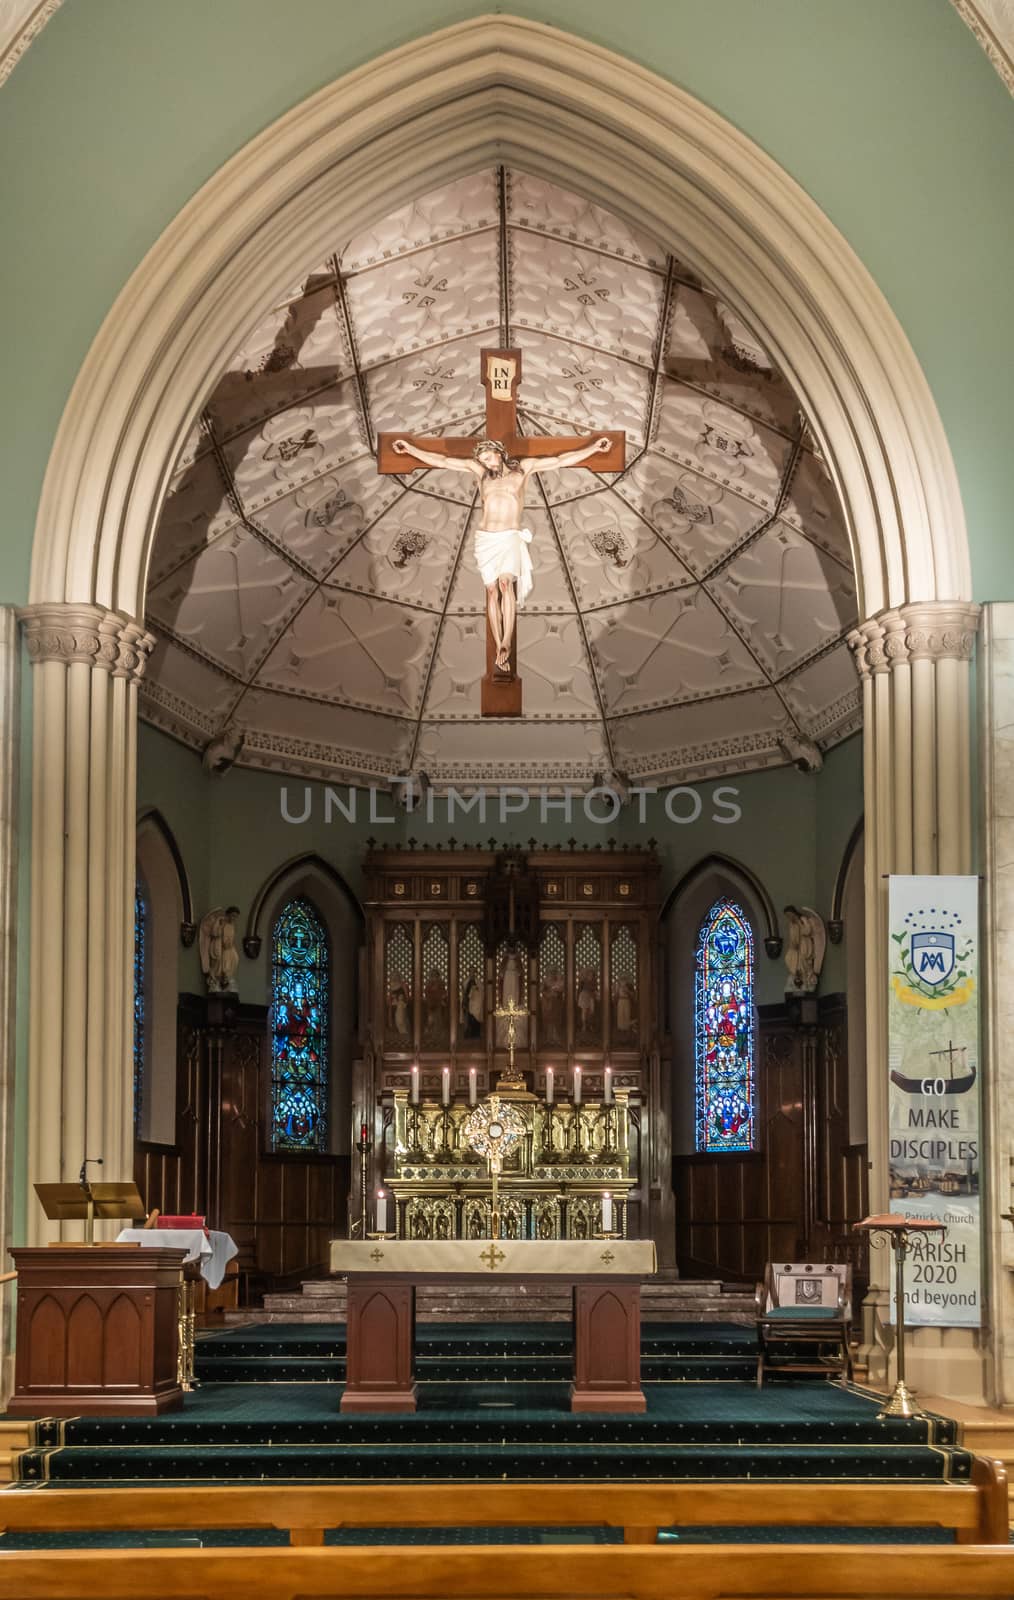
(688, 614)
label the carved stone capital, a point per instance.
(925, 630)
(940, 630)
(867, 645)
(71, 633)
(135, 646)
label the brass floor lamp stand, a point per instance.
(899, 1232)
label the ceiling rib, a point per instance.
(591, 372)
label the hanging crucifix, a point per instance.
(502, 463)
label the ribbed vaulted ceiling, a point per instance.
(687, 616)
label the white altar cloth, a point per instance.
(213, 1250)
(576, 1258)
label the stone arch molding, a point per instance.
(499, 89)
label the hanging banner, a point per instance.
(933, 1049)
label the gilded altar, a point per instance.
(552, 1184)
(528, 973)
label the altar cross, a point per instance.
(500, 372)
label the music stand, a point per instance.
(74, 1202)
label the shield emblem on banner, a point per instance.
(933, 956)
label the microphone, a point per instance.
(89, 1161)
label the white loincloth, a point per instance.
(505, 555)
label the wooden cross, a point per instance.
(500, 371)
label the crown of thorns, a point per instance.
(490, 444)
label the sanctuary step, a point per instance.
(459, 1353)
(293, 1432)
(676, 1300)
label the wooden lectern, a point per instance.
(98, 1324)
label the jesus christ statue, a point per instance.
(501, 543)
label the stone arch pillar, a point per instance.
(914, 663)
(87, 663)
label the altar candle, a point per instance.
(382, 1211)
(550, 1085)
(577, 1086)
(607, 1087)
(473, 1089)
(445, 1086)
(415, 1086)
(607, 1213)
(364, 1134)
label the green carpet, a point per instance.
(459, 1352)
(485, 1430)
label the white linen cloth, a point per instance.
(505, 555)
(213, 1250)
(593, 1258)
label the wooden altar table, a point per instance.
(604, 1275)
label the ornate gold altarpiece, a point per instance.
(566, 939)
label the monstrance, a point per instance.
(492, 1130)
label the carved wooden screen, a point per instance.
(471, 955)
(553, 987)
(399, 965)
(436, 987)
(588, 986)
(624, 986)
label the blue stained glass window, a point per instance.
(724, 1031)
(140, 995)
(300, 968)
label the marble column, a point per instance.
(996, 744)
(10, 723)
(914, 663)
(87, 662)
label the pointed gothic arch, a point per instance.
(490, 89)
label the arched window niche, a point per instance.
(714, 881)
(142, 1029)
(300, 1030)
(725, 1035)
(311, 879)
(161, 908)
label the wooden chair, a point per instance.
(805, 1304)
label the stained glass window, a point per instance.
(724, 1031)
(140, 995)
(300, 969)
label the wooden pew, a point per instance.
(976, 1511)
(510, 1572)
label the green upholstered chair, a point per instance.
(807, 1307)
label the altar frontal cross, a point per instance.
(500, 371)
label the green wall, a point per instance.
(886, 111)
(233, 834)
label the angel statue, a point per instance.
(804, 954)
(219, 955)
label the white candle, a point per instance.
(445, 1086)
(415, 1086)
(382, 1211)
(473, 1088)
(577, 1086)
(550, 1085)
(607, 1086)
(607, 1213)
